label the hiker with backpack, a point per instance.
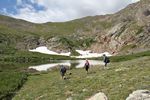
(106, 59)
(87, 65)
(63, 71)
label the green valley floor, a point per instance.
(117, 81)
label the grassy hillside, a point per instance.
(117, 82)
(12, 77)
(21, 35)
(123, 32)
(13, 68)
(13, 74)
(10, 82)
(13, 71)
(31, 57)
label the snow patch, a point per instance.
(83, 54)
(45, 50)
(89, 54)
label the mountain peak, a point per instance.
(124, 31)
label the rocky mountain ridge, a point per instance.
(126, 31)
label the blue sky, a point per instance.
(12, 6)
(41, 11)
(7, 4)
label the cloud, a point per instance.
(19, 2)
(64, 10)
(133, 1)
(4, 11)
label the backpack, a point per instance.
(63, 70)
(87, 64)
(106, 60)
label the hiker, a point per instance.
(63, 71)
(87, 65)
(106, 59)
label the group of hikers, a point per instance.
(63, 69)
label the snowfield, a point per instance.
(45, 50)
(89, 54)
(83, 54)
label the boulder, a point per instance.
(99, 96)
(139, 95)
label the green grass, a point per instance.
(105, 24)
(31, 57)
(129, 57)
(102, 24)
(120, 58)
(13, 63)
(10, 82)
(74, 53)
(117, 82)
(74, 42)
(128, 47)
(13, 69)
(12, 77)
(18, 32)
(14, 66)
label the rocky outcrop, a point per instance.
(126, 31)
(98, 96)
(139, 95)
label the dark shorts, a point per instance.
(62, 74)
(86, 68)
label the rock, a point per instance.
(139, 95)
(111, 33)
(85, 90)
(31, 70)
(99, 96)
(70, 98)
(68, 93)
(42, 41)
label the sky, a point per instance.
(41, 11)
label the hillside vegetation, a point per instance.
(125, 34)
(117, 81)
(13, 74)
(126, 31)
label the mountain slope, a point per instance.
(116, 81)
(124, 32)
